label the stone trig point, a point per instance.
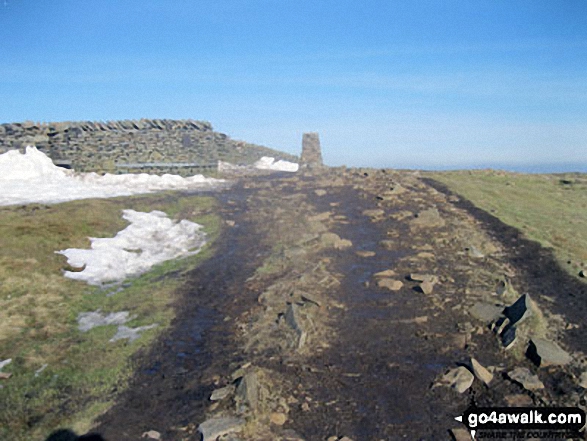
(311, 153)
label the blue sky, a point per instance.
(407, 84)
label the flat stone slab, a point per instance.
(524, 377)
(391, 284)
(481, 372)
(222, 393)
(547, 353)
(485, 312)
(214, 428)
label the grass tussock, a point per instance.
(551, 209)
(61, 376)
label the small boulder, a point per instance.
(391, 284)
(524, 377)
(486, 312)
(214, 428)
(460, 379)
(460, 434)
(386, 273)
(583, 380)
(481, 372)
(278, 418)
(222, 393)
(547, 353)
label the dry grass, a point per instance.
(39, 309)
(551, 209)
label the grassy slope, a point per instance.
(551, 209)
(39, 309)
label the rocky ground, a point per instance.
(366, 304)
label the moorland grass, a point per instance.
(550, 209)
(61, 376)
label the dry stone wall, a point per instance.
(157, 146)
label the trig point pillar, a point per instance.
(311, 153)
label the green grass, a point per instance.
(551, 209)
(39, 309)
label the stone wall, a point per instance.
(147, 145)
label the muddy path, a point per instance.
(293, 294)
(172, 383)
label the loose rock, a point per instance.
(461, 434)
(278, 418)
(222, 393)
(216, 427)
(386, 273)
(524, 377)
(460, 379)
(393, 285)
(583, 380)
(547, 353)
(486, 312)
(247, 391)
(481, 372)
(151, 434)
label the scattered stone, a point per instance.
(230, 223)
(387, 244)
(391, 284)
(214, 428)
(131, 333)
(520, 310)
(474, 252)
(292, 318)
(345, 438)
(386, 273)
(547, 353)
(583, 380)
(309, 299)
(415, 277)
(376, 213)
(481, 372)
(333, 240)
(365, 253)
(461, 434)
(5, 375)
(486, 312)
(320, 192)
(278, 418)
(427, 219)
(524, 377)
(222, 393)
(518, 400)
(427, 287)
(460, 379)
(247, 391)
(582, 273)
(151, 434)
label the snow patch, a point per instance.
(151, 238)
(33, 178)
(267, 163)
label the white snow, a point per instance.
(267, 163)
(151, 238)
(32, 177)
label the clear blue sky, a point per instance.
(410, 83)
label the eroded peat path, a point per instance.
(333, 307)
